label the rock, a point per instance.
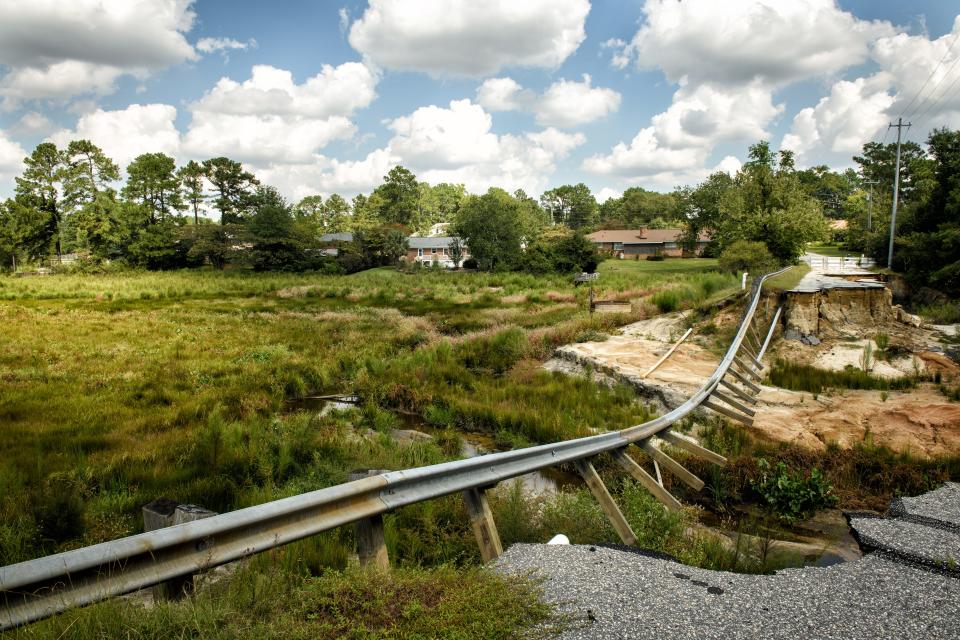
(409, 435)
(811, 340)
(909, 318)
(792, 334)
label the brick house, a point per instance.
(642, 243)
(433, 250)
(333, 241)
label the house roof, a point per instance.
(639, 236)
(434, 242)
(345, 236)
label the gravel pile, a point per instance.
(938, 508)
(910, 542)
(909, 589)
(609, 593)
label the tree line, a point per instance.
(67, 200)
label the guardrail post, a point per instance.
(483, 524)
(371, 543)
(164, 512)
(610, 508)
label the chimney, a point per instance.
(643, 233)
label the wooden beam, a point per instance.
(667, 354)
(751, 359)
(747, 369)
(744, 380)
(746, 397)
(610, 508)
(739, 406)
(637, 473)
(672, 465)
(484, 527)
(691, 447)
(728, 412)
(371, 544)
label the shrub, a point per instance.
(789, 494)
(746, 255)
(667, 300)
(470, 263)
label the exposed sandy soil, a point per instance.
(921, 421)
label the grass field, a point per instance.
(120, 388)
(123, 387)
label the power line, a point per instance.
(926, 101)
(943, 98)
(924, 85)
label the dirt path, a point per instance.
(921, 421)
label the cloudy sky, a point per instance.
(326, 96)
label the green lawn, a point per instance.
(832, 250)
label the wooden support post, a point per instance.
(755, 335)
(672, 465)
(371, 542)
(610, 508)
(748, 354)
(739, 406)
(664, 357)
(691, 447)
(746, 397)
(744, 380)
(484, 527)
(730, 413)
(636, 471)
(162, 513)
(747, 369)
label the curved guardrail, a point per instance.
(39, 588)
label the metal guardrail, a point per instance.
(38, 588)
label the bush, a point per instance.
(470, 263)
(789, 494)
(667, 300)
(746, 255)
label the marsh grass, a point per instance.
(271, 602)
(801, 377)
(122, 387)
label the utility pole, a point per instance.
(896, 191)
(870, 204)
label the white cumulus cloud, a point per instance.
(11, 161)
(565, 103)
(465, 37)
(271, 118)
(124, 134)
(739, 41)
(61, 49)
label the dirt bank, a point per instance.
(921, 421)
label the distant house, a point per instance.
(433, 250)
(632, 243)
(332, 242)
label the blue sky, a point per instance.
(520, 95)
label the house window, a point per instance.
(433, 250)
(618, 246)
(420, 253)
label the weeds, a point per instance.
(800, 377)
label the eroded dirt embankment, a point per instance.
(921, 421)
